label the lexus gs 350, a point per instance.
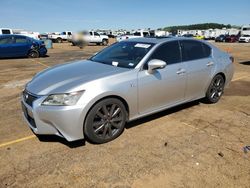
(95, 98)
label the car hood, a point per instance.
(63, 78)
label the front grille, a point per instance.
(29, 98)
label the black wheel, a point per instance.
(33, 54)
(215, 89)
(104, 42)
(59, 40)
(105, 121)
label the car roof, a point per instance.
(159, 40)
(12, 35)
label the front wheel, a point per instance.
(105, 121)
(33, 54)
(215, 89)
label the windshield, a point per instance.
(123, 54)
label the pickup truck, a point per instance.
(88, 37)
(34, 35)
(60, 37)
(137, 34)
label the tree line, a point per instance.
(202, 26)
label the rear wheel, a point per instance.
(215, 89)
(104, 42)
(33, 54)
(59, 40)
(105, 121)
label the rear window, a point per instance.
(6, 31)
(192, 50)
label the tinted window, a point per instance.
(21, 40)
(137, 34)
(145, 34)
(96, 34)
(168, 52)
(192, 50)
(207, 50)
(6, 31)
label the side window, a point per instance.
(69, 33)
(207, 50)
(7, 40)
(21, 40)
(63, 33)
(168, 52)
(145, 34)
(192, 50)
(96, 34)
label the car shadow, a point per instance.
(245, 63)
(52, 138)
(161, 114)
(7, 58)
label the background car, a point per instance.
(199, 37)
(232, 38)
(220, 38)
(21, 46)
(244, 38)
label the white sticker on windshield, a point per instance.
(114, 63)
(131, 64)
(139, 45)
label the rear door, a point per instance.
(21, 46)
(199, 65)
(165, 87)
(6, 43)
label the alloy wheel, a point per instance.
(108, 121)
(216, 89)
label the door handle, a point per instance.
(181, 71)
(210, 64)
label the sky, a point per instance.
(74, 15)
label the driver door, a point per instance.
(164, 87)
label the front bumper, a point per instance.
(63, 121)
(43, 51)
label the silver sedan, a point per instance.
(94, 98)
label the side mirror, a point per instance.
(155, 64)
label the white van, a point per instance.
(4, 31)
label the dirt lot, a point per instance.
(193, 145)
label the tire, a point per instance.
(59, 40)
(33, 54)
(105, 42)
(215, 89)
(105, 121)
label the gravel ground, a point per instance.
(192, 145)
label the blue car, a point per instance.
(21, 46)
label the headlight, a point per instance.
(66, 99)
